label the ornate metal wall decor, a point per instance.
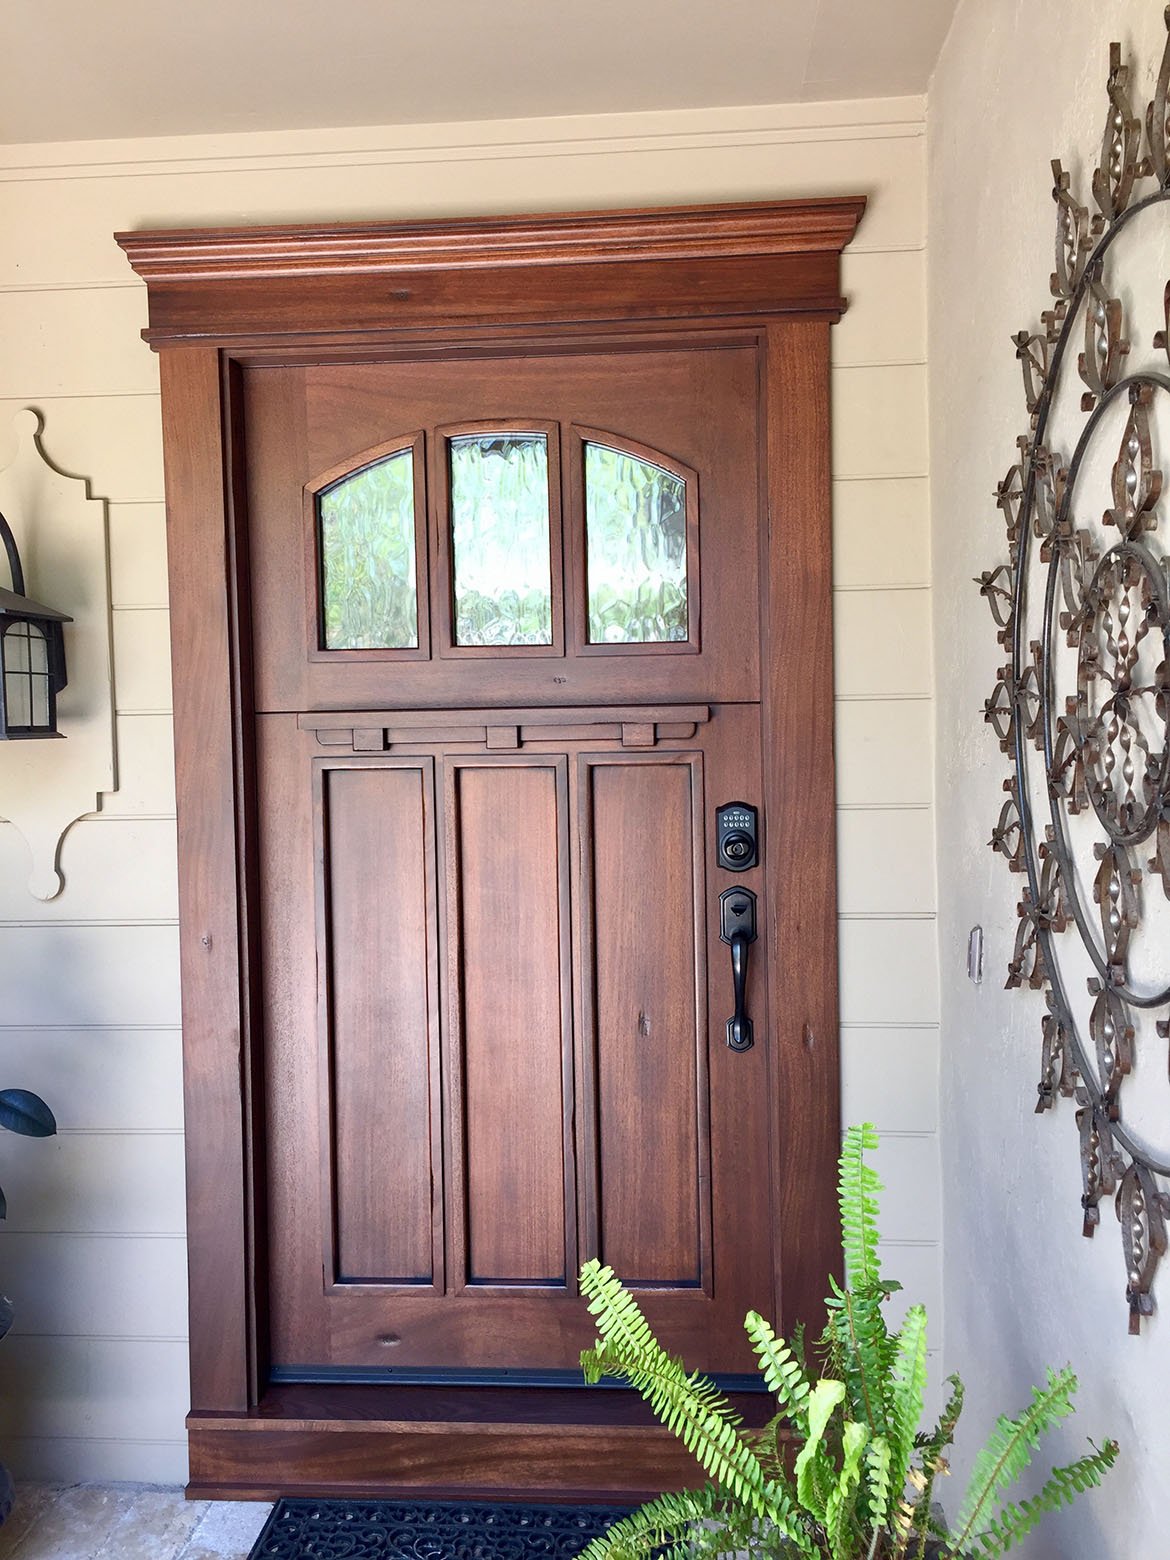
(1082, 706)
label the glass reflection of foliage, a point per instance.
(636, 541)
(369, 584)
(500, 539)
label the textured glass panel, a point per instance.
(369, 589)
(636, 545)
(500, 539)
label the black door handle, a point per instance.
(737, 928)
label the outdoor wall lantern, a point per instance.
(32, 656)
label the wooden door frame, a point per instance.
(223, 298)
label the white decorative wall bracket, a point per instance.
(61, 532)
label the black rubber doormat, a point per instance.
(428, 1530)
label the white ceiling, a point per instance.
(92, 69)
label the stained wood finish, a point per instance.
(212, 788)
(590, 1106)
(800, 798)
(698, 406)
(383, 1036)
(420, 1442)
(775, 256)
(507, 878)
(646, 905)
(299, 349)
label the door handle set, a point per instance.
(737, 928)
(737, 849)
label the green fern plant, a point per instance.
(842, 1472)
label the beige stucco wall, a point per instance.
(1019, 84)
(93, 1254)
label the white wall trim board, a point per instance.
(606, 135)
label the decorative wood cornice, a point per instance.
(684, 232)
(299, 281)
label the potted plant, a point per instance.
(842, 1472)
(24, 1112)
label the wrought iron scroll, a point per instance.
(1082, 703)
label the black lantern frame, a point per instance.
(32, 656)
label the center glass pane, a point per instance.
(500, 539)
(636, 545)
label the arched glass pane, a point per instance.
(500, 539)
(636, 549)
(369, 584)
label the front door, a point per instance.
(507, 670)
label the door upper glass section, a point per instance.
(502, 573)
(636, 549)
(369, 574)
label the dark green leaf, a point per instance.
(24, 1112)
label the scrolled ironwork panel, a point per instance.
(1082, 705)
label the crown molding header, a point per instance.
(763, 257)
(669, 233)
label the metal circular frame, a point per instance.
(1107, 757)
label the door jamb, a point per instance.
(200, 290)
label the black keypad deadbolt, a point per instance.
(737, 836)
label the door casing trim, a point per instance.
(219, 296)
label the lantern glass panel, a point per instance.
(26, 678)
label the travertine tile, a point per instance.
(227, 1531)
(75, 1522)
(157, 1524)
(31, 1501)
(126, 1522)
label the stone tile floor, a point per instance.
(126, 1522)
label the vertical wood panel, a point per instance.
(645, 1022)
(379, 828)
(509, 822)
(800, 839)
(213, 942)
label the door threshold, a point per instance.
(443, 1443)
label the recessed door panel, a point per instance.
(648, 990)
(380, 1007)
(510, 998)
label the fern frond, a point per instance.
(812, 1469)
(934, 1462)
(907, 1386)
(1061, 1488)
(619, 1317)
(877, 1461)
(1009, 1450)
(937, 1440)
(839, 1525)
(859, 1352)
(663, 1524)
(857, 1189)
(782, 1372)
(697, 1415)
